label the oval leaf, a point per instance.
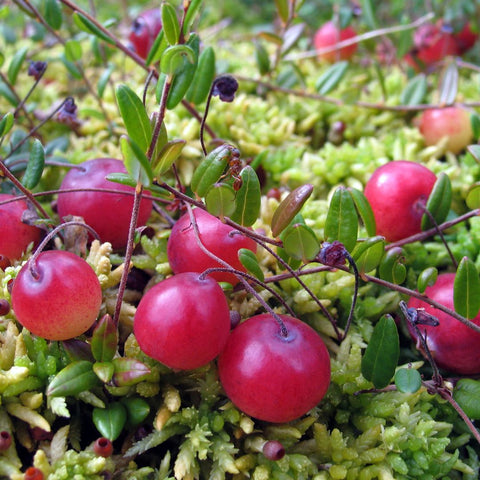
(262, 58)
(73, 50)
(167, 156)
(439, 201)
(415, 91)
(408, 380)
(331, 78)
(381, 355)
(473, 197)
(220, 200)
(342, 219)
(368, 254)
(283, 9)
(128, 371)
(466, 289)
(160, 44)
(391, 267)
(365, 211)
(104, 339)
(250, 261)
(75, 378)
(289, 207)
(203, 78)
(175, 58)
(135, 161)
(300, 242)
(248, 198)
(466, 393)
(449, 84)
(189, 17)
(88, 26)
(134, 116)
(110, 420)
(53, 14)
(35, 165)
(6, 123)
(170, 24)
(103, 80)
(16, 64)
(137, 409)
(427, 278)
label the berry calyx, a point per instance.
(103, 447)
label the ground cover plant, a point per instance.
(232, 246)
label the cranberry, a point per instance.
(145, 29)
(329, 35)
(33, 473)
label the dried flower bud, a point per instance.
(37, 69)
(225, 87)
(332, 254)
(68, 113)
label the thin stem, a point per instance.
(355, 293)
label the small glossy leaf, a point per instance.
(128, 371)
(289, 207)
(160, 44)
(137, 410)
(73, 50)
(381, 355)
(167, 156)
(426, 279)
(473, 197)
(439, 201)
(6, 92)
(71, 67)
(220, 200)
(250, 261)
(475, 123)
(415, 91)
(103, 80)
(466, 393)
(408, 380)
(104, 371)
(331, 78)
(136, 162)
(122, 178)
(175, 57)
(292, 36)
(368, 14)
(262, 58)
(466, 289)
(16, 64)
(248, 198)
(391, 267)
(86, 25)
(170, 24)
(474, 151)
(449, 84)
(110, 420)
(53, 14)
(6, 123)
(300, 242)
(283, 9)
(35, 165)
(75, 378)
(368, 253)
(364, 210)
(342, 219)
(203, 78)
(192, 11)
(134, 116)
(78, 350)
(104, 339)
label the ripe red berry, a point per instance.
(5, 440)
(107, 213)
(453, 345)
(33, 473)
(57, 295)
(183, 321)
(103, 447)
(16, 235)
(272, 377)
(451, 122)
(465, 38)
(145, 29)
(185, 255)
(398, 192)
(328, 35)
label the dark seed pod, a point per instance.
(4, 307)
(5, 440)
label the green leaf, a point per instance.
(16, 64)
(331, 78)
(104, 371)
(136, 162)
(262, 58)
(439, 201)
(137, 410)
(53, 14)
(248, 198)
(300, 242)
(6, 92)
(167, 156)
(368, 14)
(35, 165)
(475, 123)
(103, 80)
(342, 219)
(170, 24)
(449, 84)
(203, 78)
(110, 421)
(6, 123)
(71, 67)
(192, 11)
(289, 207)
(283, 9)
(391, 267)
(73, 50)
(291, 36)
(250, 261)
(408, 380)
(86, 25)
(427, 278)
(474, 151)
(466, 393)
(415, 91)
(473, 196)
(381, 355)
(175, 57)
(134, 116)
(75, 378)
(368, 253)
(128, 371)
(104, 339)
(160, 44)
(364, 209)
(466, 289)
(220, 200)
